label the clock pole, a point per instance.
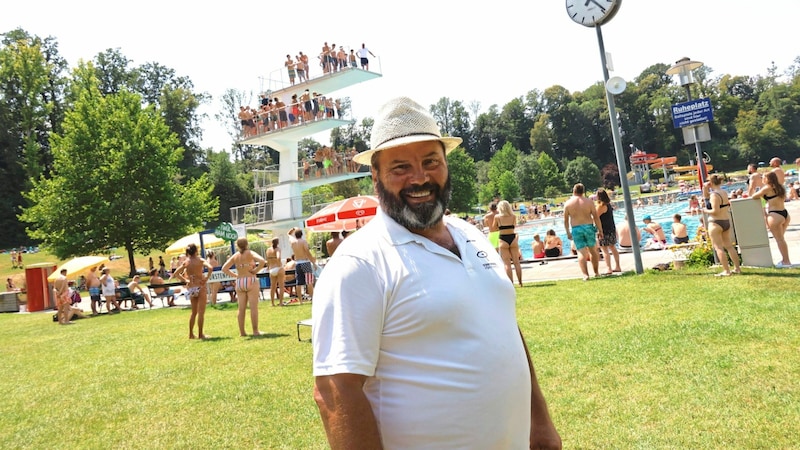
(623, 170)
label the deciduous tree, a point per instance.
(115, 180)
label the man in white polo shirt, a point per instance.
(414, 322)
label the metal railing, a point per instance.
(291, 208)
(308, 169)
(265, 121)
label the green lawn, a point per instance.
(664, 360)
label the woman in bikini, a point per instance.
(191, 271)
(276, 273)
(247, 263)
(608, 242)
(777, 217)
(719, 224)
(213, 288)
(505, 221)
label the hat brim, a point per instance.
(450, 143)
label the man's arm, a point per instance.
(543, 432)
(566, 223)
(310, 255)
(346, 413)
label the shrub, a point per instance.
(701, 256)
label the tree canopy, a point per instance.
(115, 179)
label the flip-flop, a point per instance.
(722, 274)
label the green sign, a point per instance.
(225, 231)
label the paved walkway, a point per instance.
(569, 268)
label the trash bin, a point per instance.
(40, 292)
(9, 302)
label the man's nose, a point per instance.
(418, 175)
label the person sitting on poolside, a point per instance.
(659, 239)
(624, 235)
(552, 244)
(679, 233)
(538, 247)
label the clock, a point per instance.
(590, 13)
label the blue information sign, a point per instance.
(692, 112)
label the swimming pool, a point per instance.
(662, 214)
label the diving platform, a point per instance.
(323, 84)
(287, 136)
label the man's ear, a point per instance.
(374, 180)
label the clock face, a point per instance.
(592, 12)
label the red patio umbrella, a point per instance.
(347, 214)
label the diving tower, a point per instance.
(279, 203)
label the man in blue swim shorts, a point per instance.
(583, 228)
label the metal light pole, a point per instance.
(620, 153)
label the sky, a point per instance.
(489, 52)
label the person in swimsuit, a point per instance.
(777, 217)
(93, 284)
(608, 241)
(694, 205)
(276, 273)
(679, 233)
(195, 271)
(213, 288)
(489, 223)
(553, 246)
(247, 263)
(290, 67)
(719, 226)
(537, 247)
(583, 227)
(659, 239)
(504, 222)
(63, 304)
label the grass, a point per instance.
(661, 360)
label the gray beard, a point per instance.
(415, 217)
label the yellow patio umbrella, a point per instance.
(179, 246)
(77, 266)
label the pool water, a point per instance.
(662, 214)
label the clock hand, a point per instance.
(598, 5)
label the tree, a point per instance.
(529, 176)
(462, 176)
(31, 89)
(551, 176)
(114, 179)
(346, 188)
(515, 126)
(230, 187)
(507, 185)
(582, 170)
(504, 160)
(610, 176)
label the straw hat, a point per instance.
(400, 122)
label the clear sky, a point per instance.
(489, 52)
